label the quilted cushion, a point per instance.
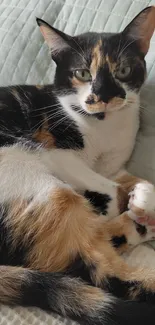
(24, 58)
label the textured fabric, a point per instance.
(24, 58)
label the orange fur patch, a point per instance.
(123, 199)
(116, 101)
(59, 230)
(97, 59)
(97, 107)
(128, 181)
(100, 106)
(39, 86)
(44, 136)
(111, 64)
(63, 228)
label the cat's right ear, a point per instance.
(56, 40)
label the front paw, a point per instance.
(142, 207)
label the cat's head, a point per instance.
(100, 72)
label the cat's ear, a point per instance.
(56, 40)
(141, 28)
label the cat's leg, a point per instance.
(59, 227)
(106, 196)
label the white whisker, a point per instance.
(58, 123)
(54, 111)
(49, 106)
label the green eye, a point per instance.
(123, 72)
(83, 75)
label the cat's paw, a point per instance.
(142, 207)
(142, 200)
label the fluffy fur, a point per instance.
(62, 168)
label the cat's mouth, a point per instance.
(114, 104)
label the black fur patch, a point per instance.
(34, 292)
(106, 87)
(123, 289)
(8, 255)
(99, 201)
(118, 241)
(25, 109)
(140, 229)
(79, 269)
(129, 313)
(118, 287)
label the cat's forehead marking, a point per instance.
(97, 58)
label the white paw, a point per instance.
(142, 199)
(142, 207)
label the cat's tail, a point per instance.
(70, 297)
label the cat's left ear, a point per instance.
(56, 40)
(142, 28)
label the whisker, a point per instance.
(144, 109)
(58, 123)
(40, 123)
(49, 106)
(54, 111)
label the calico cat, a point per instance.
(62, 168)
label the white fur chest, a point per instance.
(108, 143)
(112, 139)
